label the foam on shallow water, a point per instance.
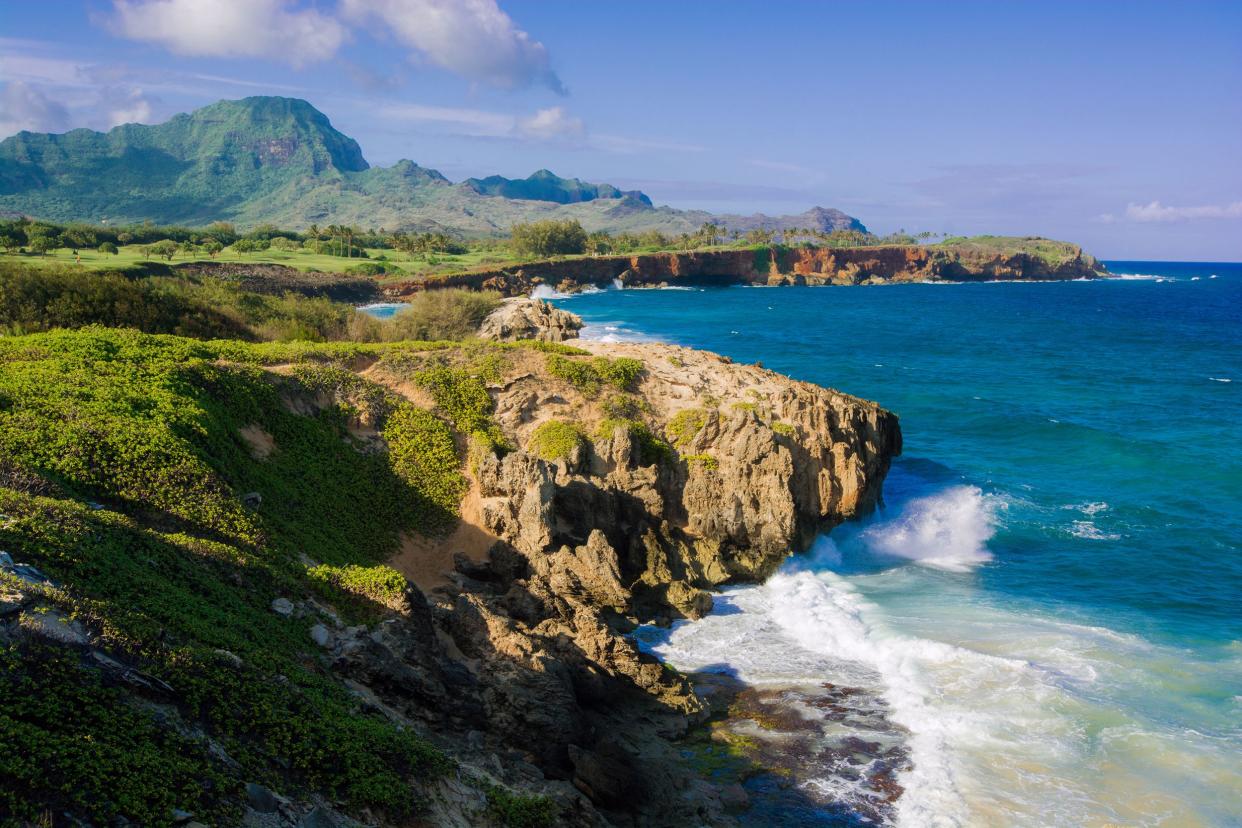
(1008, 717)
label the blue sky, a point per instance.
(1117, 125)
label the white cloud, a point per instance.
(134, 109)
(472, 38)
(232, 28)
(460, 121)
(1157, 212)
(550, 124)
(23, 106)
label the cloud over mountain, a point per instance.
(471, 38)
(474, 39)
(232, 28)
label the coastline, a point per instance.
(1067, 664)
(768, 266)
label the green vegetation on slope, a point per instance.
(590, 375)
(123, 466)
(40, 299)
(1050, 251)
(555, 440)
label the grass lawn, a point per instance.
(130, 255)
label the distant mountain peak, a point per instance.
(821, 219)
(545, 185)
(272, 159)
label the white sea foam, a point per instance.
(1220, 379)
(948, 530)
(613, 332)
(546, 292)
(1015, 717)
(618, 284)
(1089, 531)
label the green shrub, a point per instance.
(784, 429)
(381, 584)
(555, 440)
(705, 460)
(520, 811)
(685, 424)
(424, 455)
(462, 396)
(590, 376)
(448, 313)
(375, 268)
(548, 238)
(40, 299)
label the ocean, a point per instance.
(1046, 612)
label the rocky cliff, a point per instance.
(641, 477)
(359, 585)
(778, 266)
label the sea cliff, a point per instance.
(776, 265)
(309, 585)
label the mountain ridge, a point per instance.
(269, 159)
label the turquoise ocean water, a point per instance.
(1050, 601)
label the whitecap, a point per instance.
(1220, 379)
(1089, 508)
(1089, 531)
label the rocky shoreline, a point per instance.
(732, 469)
(605, 487)
(769, 266)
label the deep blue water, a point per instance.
(1069, 505)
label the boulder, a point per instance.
(523, 318)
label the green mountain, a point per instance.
(546, 185)
(280, 160)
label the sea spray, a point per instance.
(948, 530)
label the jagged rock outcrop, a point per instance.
(524, 318)
(762, 464)
(704, 472)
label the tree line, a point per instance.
(533, 239)
(559, 238)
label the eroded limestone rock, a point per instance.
(525, 318)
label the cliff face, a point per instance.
(773, 266)
(384, 583)
(697, 473)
